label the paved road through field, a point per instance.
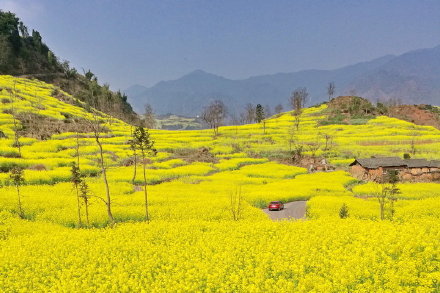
(292, 210)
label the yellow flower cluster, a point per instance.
(196, 256)
(193, 243)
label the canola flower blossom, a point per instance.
(193, 243)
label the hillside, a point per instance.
(206, 230)
(412, 77)
(25, 54)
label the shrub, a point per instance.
(343, 211)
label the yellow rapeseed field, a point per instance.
(193, 242)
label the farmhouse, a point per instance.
(417, 170)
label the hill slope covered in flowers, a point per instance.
(193, 242)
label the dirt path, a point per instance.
(292, 210)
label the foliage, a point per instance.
(259, 113)
(343, 211)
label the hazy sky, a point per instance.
(143, 42)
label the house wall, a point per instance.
(358, 171)
(405, 174)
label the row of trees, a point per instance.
(142, 146)
(215, 114)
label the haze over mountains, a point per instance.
(413, 77)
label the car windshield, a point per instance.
(274, 202)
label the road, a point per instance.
(292, 210)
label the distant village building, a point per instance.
(417, 170)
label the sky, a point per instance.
(144, 42)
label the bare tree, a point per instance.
(413, 148)
(149, 119)
(236, 120)
(352, 92)
(267, 111)
(387, 195)
(145, 145)
(214, 115)
(249, 113)
(279, 108)
(291, 137)
(328, 141)
(313, 147)
(331, 90)
(97, 130)
(236, 203)
(298, 100)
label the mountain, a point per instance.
(413, 77)
(24, 54)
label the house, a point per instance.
(417, 170)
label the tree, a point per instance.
(132, 144)
(331, 90)
(88, 74)
(149, 120)
(291, 137)
(298, 100)
(387, 195)
(328, 138)
(267, 111)
(145, 145)
(17, 178)
(343, 211)
(236, 204)
(76, 180)
(413, 148)
(279, 108)
(9, 27)
(259, 113)
(214, 115)
(85, 195)
(17, 128)
(313, 147)
(97, 130)
(249, 113)
(37, 40)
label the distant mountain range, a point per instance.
(413, 77)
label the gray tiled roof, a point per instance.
(435, 163)
(374, 163)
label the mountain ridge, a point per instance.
(188, 94)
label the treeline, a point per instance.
(24, 54)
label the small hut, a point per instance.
(417, 170)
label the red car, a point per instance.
(276, 205)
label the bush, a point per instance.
(343, 211)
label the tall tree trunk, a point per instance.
(135, 168)
(107, 189)
(87, 212)
(147, 217)
(20, 208)
(79, 207)
(76, 185)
